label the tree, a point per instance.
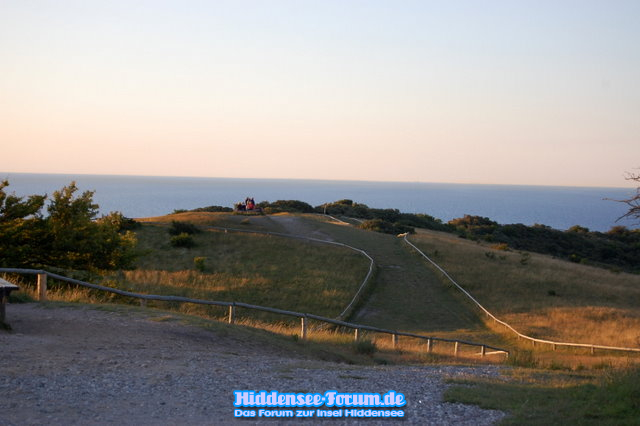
(69, 237)
(80, 241)
(633, 202)
(21, 228)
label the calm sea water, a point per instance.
(137, 196)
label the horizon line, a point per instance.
(3, 175)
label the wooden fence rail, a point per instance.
(304, 317)
(534, 340)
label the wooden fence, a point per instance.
(304, 317)
(554, 345)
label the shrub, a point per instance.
(213, 209)
(178, 228)
(385, 227)
(292, 206)
(182, 240)
(199, 263)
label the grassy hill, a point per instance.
(254, 268)
(538, 295)
(541, 296)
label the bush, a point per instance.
(178, 228)
(291, 206)
(199, 263)
(213, 209)
(385, 227)
(183, 240)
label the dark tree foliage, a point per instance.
(183, 240)
(345, 208)
(178, 228)
(22, 228)
(70, 236)
(620, 247)
(209, 209)
(404, 221)
(290, 206)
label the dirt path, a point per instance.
(293, 225)
(71, 366)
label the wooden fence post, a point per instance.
(429, 345)
(42, 287)
(303, 329)
(455, 349)
(394, 340)
(356, 334)
(3, 300)
(483, 351)
(232, 313)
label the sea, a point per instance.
(559, 207)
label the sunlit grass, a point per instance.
(541, 296)
(257, 269)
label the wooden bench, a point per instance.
(5, 289)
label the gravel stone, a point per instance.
(81, 366)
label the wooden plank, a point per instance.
(6, 284)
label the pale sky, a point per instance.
(505, 92)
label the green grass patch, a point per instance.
(543, 398)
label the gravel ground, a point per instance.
(72, 366)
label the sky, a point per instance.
(499, 92)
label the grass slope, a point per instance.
(541, 296)
(259, 269)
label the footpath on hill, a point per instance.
(407, 295)
(83, 366)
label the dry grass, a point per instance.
(251, 268)
(541, 296)
(257, 269)
(408, 349)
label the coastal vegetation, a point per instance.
(70, 236)
(189, 254)
(617, 249)
(541, 296)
